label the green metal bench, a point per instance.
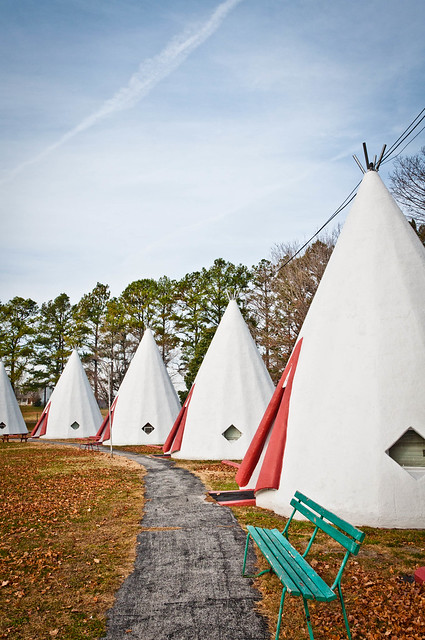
(296, 575)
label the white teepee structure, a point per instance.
(354, 419)
(146, 403)
(229, 395)
(72, 410)
(11, 420)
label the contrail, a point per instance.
(141, 83)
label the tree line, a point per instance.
(36, 340)
(273, 296)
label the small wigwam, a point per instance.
(229, 395)
(72, 410)
(146, 403)
(350, 429)
(11, 420)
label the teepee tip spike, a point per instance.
(371, 166)
(232, 294)
(378, 164)
(359, 164)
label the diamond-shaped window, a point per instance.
(75, 425)
(2, 425)
(148, 428)
(232, 433)
(409, 452)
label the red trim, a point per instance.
(41, 423)
(238, 503)
(258, 442)
(271, 468)
(420, 575)
(104, 431)
(275, 419)
(231, 464)
(175, 437)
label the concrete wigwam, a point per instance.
(72, 410)
(11, 420)
(146, 403)
(355, 425)
(229, 395)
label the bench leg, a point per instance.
(307, 617)
(251, 575)
(344, 613)
(279, 619)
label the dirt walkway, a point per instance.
(186, 583)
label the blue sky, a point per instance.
(142, 138)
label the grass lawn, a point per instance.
(380, 601)
(68, 524)
(31, 415)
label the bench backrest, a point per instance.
(341, 531)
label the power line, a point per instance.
(406, 145)
(406, 133)
(385, 158)
(342, 206)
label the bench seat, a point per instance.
(291, 568)
(296, 574)
(23, 437)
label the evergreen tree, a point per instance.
(88, 317)
(115, 348)
(17, 328)
(189, 322)
(203, 298)
(222, 281)
(165, 313)
(55, 339)
(139, 300)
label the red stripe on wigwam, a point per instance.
(271, 468)
(175, 437)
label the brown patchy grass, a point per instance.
(141, 449)
(379, 602)
(31, 415)
(215, 475)
(68, 521)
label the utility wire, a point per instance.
(342, 206)
(406, 145)
(406, 133)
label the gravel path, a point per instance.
(187, 582)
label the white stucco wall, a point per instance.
(233, 387)
(360, 380)
(146, 395)
(10, 413)
(73, 401)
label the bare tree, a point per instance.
(408, 184)
(295, 285)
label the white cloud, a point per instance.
(141, 83)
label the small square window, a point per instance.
(75, 425)
(232, 433)
(148, 428)
(408, 451)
